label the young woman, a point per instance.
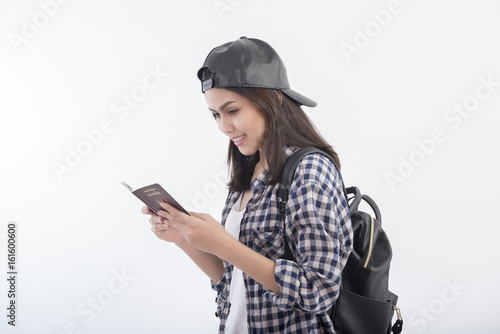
(247, 91)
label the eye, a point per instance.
(215, 115)
(232, 112)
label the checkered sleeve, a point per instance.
(218, 286)
(316, 220)
(221, 288)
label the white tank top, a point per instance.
(237, 320)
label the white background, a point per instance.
(80, 230)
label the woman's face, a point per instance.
(237, 118)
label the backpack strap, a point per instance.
(286, 182)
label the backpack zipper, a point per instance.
(371, 243)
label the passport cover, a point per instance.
(153, 195)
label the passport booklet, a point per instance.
(153, 195)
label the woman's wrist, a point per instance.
(226, 246)
(183, 244)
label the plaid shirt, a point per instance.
(319, 232)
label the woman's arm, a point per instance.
(318, 229)
(204, 233)
(255, 265)
(211, 265)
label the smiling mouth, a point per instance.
(238, 138)
(239, 141)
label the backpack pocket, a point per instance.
(355, 314)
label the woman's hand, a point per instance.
(203, 233)
(161, 227)
(199, 230)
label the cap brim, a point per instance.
(299, 98)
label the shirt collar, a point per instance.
(257, 185)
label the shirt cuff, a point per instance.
(286, 274)
(218, 286)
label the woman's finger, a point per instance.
(165, 214)
(173, 211)
(173, 217)
(160, 228)
(156, 220)
(146, 210)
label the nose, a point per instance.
(226, 124)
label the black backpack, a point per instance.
(365, 305)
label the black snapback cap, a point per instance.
(247, 62)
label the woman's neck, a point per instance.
(262, 163)
(259, 166)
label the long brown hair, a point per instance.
(286, 124)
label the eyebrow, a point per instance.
(223, 105)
